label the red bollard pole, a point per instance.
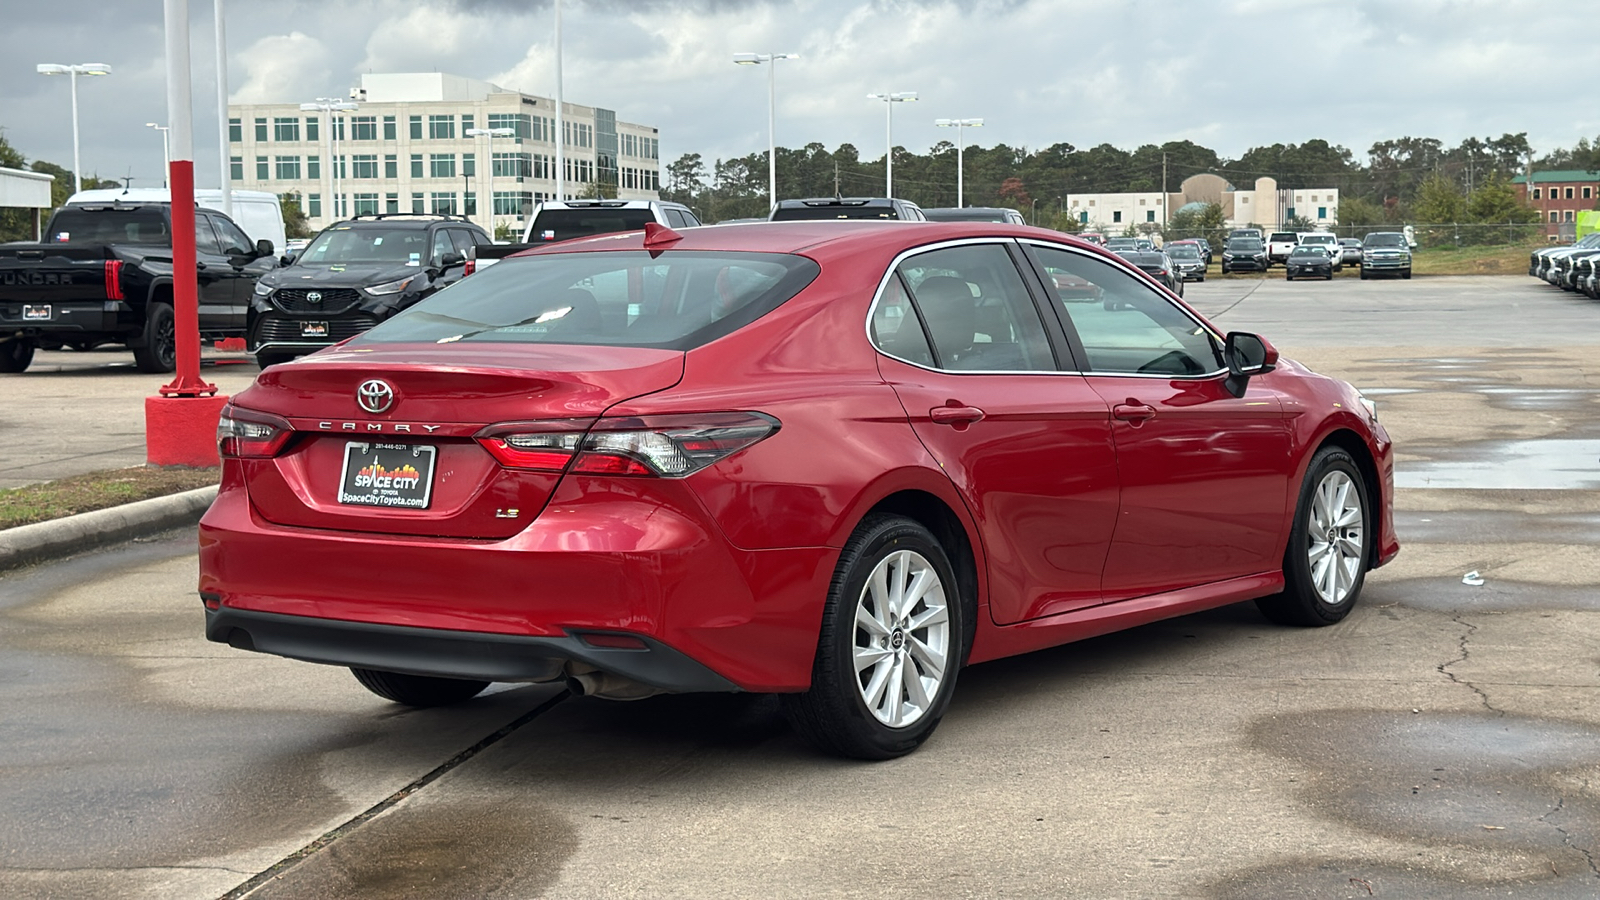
(180, 425)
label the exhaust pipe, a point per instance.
(586, 681)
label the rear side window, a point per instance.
(675, 218)
(675, 301)
(566, 224)
(977, 310)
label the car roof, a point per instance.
(390, 220)
(808, 237)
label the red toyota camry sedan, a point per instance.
(837, 461)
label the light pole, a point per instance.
(166, 149)
(330, 140)
(770, 60)
(491, 134)
(226, 158)
(959, 124)
(889, 100)
(561, 121)
(74, 71)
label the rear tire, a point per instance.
(1325, 564)
(884, 673)
(16, 355)
(158, 351)
(418, 690)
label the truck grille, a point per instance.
(332, 300)
(273, 329)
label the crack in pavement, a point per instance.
(283, 866)
(1566, 837)
(1444, 667)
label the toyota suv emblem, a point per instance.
(313, 296)
(375, 395)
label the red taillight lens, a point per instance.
(659, 446)
(472, 266)
(247, 434)
(114, 280)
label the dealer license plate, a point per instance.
(393, 475)
(314, 329)
(36, 312)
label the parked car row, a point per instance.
(1571, 268)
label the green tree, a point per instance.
(294, 218)
(1439, 202)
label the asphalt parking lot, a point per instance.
(1443, 741)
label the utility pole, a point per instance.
(836, 178)
(1163, 191)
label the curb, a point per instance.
(42, 541)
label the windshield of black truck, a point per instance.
(109, 226)
(566, 224)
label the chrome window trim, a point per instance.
(1220, 339)
(883, 284)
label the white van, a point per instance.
(257, 213)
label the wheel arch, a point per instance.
(934, 514)
(1353, 444)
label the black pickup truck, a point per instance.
(103, 275)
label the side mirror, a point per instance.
(450, 260)
(263, 248)
(1246, 355)
(286, 259)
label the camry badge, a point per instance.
(313, 296)
(375, 395)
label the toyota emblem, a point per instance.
(375, 395)
(313, 296)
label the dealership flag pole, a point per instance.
(180, 425)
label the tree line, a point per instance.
(1402, 180)
(17, 224)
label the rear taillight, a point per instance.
(472, 266)
(649, 446)
(114, 280)
(249, 434)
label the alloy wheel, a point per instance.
(1336, 538)
(902, 643)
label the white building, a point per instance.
(1263, 205)
(405, 149)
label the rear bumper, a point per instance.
(604, 561)
(69, 319)
(453, 654)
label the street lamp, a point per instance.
(959, 124)
(74, 71)
(771, 62)
(166, 149)
(889, 100)
(329, 105)
(491, 134)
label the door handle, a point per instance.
(955, 415)
(199, 265)
(1135, 413)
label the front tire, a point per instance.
(1406, 274)
(895, 631)
(418, 690)
(1325, 563)
(157, 353)
(16, 355)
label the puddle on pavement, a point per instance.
(474, 846)
(1457, 781)
(1555, 464)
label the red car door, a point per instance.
(1204, 474)
(1027, 445)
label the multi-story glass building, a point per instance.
(406, 148)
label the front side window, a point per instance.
(205, 240)
(1126, 326)
(977, 310)
(234, 241)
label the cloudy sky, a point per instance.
(1229, 74)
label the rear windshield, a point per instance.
(146, 225)
(566, 224)
(1285, 236)
(626, 298)
(368, 244)
(1184, 251)
(1319, 239)
(798, 213)
(1385, 240)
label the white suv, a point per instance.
(563, 220)
(1327, 241)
